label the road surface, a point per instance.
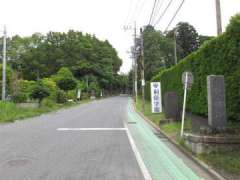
(101, 140)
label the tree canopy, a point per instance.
(157, 51)
(159, 47)
(40, 56)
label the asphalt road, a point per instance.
(88, 142)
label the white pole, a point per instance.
(4, 65)
(184, 102)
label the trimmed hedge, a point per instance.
(220, 56)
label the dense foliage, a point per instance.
(219, 56)
(158, 51)
(65, 79)
(41, 56)
(62, 63)
(187, 39)
(39, 93)
(159, 47)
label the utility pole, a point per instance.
(142, 71)
(133, 75)
(219, 17)
(135, 62)
(4, 64)
(175, 45)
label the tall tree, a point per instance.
(40, 56)
(187, 39)
(158, 51)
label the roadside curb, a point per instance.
(201, 164)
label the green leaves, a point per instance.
(219, 56)
(41, 56)
(158, 51)
(67, 84)
(39, 92)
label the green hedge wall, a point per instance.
(220, 56)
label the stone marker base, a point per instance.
(28, 105)
(165, 121)
(199, 144)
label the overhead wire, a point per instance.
(174, 16)
(136, 11)
(129, 12)
(141, 9)
(158, 9)
(164, 12)
(153, 10)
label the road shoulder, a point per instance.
(187, 157)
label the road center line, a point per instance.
(91, 129)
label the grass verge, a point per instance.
(9, 112)
(172, 129)
(154, 117)
(227, 164)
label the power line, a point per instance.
(174, 16)
(136, 11)
(129, 12)
(157, 11)
(164, 12)
(140, 9)
(153, 10)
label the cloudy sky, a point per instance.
(106, 18)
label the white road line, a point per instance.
(141, 164)
(91, 129)
(134, 147)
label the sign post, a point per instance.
(187, 79)
(156, 97)
(78, 94)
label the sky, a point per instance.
(107, 18)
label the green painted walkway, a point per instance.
(160, 161)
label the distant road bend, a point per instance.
(101, 140)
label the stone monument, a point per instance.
(171, 106)
(216, 102)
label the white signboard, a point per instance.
(187, 78)
(156, 97)
(79, 94)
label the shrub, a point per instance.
(219, 56)
(26, 87)
(39, 93)
(51, 86)
(67, 84)
(19, 98)
(72, 94)
(84, 95)
(94, 87)
(47, 102)
(62, 73)
(61, 96)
